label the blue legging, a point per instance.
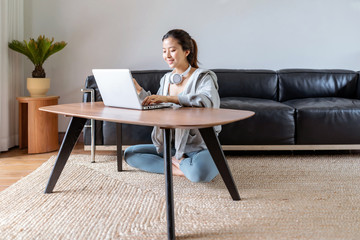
(196, 166)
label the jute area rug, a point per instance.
(283, 197)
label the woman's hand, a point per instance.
(137, 86)
(154, 99)
(160, 99)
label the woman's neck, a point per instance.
(182, 68)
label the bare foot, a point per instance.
(176, 167)
(177, 172)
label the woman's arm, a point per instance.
(140, 91)
(137, 86)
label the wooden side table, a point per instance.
(38, 130)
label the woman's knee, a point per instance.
(200, 168)
(196, 178)
(138, 149)
(144, 157)
(129, 152)
(202, 175)
(132, 153)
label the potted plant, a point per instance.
(37, 51)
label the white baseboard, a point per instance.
(104, 147)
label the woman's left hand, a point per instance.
(152, 99)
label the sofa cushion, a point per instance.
(304, 83)
(272, 124)
(326, 120)
(247, 83)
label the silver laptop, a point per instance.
(117, 89)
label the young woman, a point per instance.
(189, 86)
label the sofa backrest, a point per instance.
(306, 83)
(247, 83)
(281, 86)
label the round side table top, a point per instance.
(28, 99)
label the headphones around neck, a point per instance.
(176, 78)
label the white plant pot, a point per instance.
(38, 87)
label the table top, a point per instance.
(184, 117)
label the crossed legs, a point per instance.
(196, 166)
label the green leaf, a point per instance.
(55, 48)
(21, 47)
(37, 51)
(33, 49)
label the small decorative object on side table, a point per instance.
(38, 130)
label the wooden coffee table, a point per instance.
(203, 119)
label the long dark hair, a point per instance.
(187, 43)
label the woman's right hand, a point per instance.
(137, 86)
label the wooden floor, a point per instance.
(16, 164)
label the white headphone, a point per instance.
(176, 78)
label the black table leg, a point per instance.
(71, 136)
(214, 147)
(119, 146)
(169, 185)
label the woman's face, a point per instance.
(173, 53)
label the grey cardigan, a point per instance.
(201, 90)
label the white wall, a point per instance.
(244, 34)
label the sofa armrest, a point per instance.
(90, 84)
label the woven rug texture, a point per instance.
(283, 197)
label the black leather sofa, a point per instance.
(294, 109)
